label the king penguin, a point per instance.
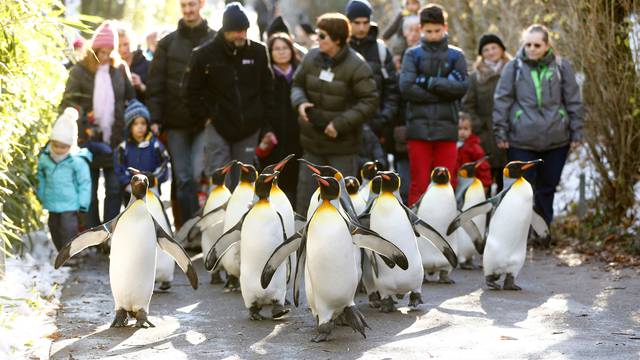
(470, 192)
(353, 185)
(438, 207)
(506, 245)
(367, 173)
(134, 234)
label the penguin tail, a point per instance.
(354, 318)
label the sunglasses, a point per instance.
(535, 45)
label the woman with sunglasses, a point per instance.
(334, 93)
(538, 114)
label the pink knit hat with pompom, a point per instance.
(105, 36)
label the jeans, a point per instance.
(112, 197)
(218, 151)
(63, 227)
(187, 151)
(346, 164)
(544, 178)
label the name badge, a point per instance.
(247, 61)
(326, 75)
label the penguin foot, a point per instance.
(355, 319)
(254, 312)
(324, 331)
(374, 300)
(491, 282)
(468, 265)
(415, 299)
(165, 285)
(444, 278)
(142, 320)
(287, 302)
(121, 319)
(510, 283)
(278, 311)
(216, 278)
(387, 305)
(232, 284)
(399, 296)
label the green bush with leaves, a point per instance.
(32, 80)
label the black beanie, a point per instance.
(278, 25)
(234, 17)
(490, 39)
(358, 8)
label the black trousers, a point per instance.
(63, 227)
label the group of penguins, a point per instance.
(354, 235)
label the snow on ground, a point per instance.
(29, 299)
(568, 191)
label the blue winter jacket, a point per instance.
(148, 156)
(64, 186)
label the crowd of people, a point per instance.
(336, 96)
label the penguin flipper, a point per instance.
(183, 232)
(208, 219)
(470, 213)
(539, 225)
(177, 252)
(297, 280)
(390, 253)
(223, 244)
(365, 219)
(280, 254)
(474, 234)
(91, 237)
(432, 235)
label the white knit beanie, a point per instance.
(65, 130)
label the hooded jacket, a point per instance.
(537, 104)
(64, 186)
(472, 151)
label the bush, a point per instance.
(32, 80)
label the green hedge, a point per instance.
(32, 80)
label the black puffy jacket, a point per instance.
(164, 86)
(232, 86)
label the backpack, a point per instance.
(382, 55)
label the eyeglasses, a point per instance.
(322, 35)
(535, 45)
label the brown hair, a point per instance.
(433, 14)
(90, 60)
(464, 116)
(336, 25)
(287, 40)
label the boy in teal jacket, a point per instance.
(64, 180)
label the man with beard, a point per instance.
(229, 85)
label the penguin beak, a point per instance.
(386, 177)
(481, 160)
(229, 166)
(311, 166)
(531, 164)
(321, 181)
(284, 161)
(244, 169)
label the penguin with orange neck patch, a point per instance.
(470, 192)
(512, 215)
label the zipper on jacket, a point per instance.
(237, 89)
(537, 77)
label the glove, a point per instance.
(455, 75)
(424, 81)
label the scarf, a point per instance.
(495, 66)
(104, 101)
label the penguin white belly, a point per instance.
(165, 265)
(438, 208)
(389, 219)
(217, 197)
(261, 234)
(506, 246)
(132, 261)
(359, 204)
(365, 190)
(314, 202)
(239, 204)
(330, 265)
(474, 195)
(282, 205)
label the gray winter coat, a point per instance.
(538, 115)
(432, 111)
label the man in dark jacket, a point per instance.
(229, 86)
(168, 109)
(433, 78)
(364, 40)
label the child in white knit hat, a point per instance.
(64, 180)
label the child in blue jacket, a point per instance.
(64, 179)
(141, 149)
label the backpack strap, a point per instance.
(382, 55)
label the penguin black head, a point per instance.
(278, 166)
(468, 170)
(139, 185)
(248, 173)
(264, 183)
(220, 174)
(323, 170)
(152, 181)
(369, 169)
(376, 185)
(440, 175)
(353, 185)
(516, 169)
(329, 187)
(390, 181)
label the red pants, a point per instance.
(424, 156)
